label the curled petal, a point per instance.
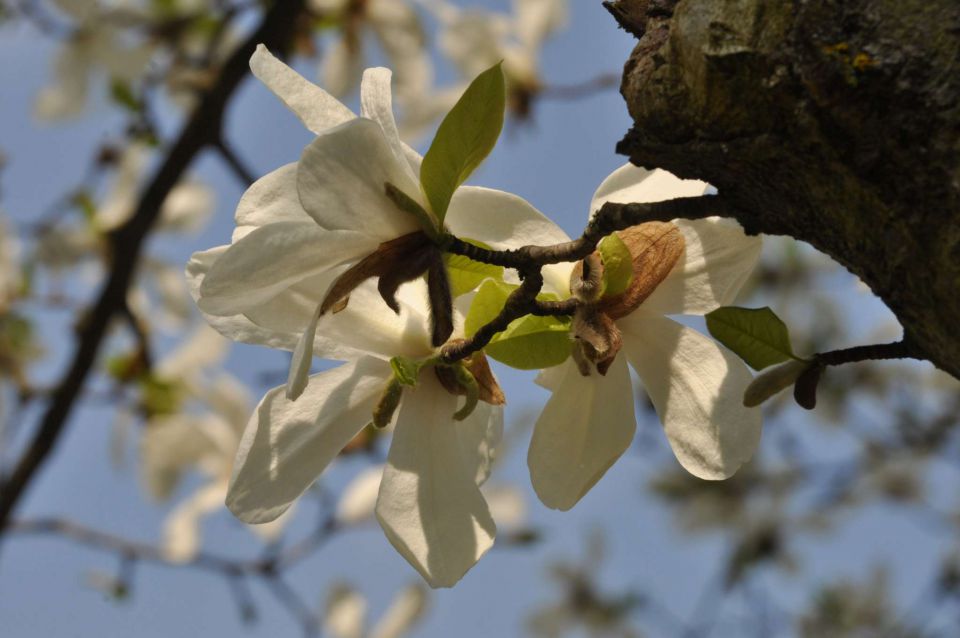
(317, 109)
(341, 181)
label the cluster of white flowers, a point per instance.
(199, 431)
(298, 276)
(472, 39)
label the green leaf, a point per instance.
(466, 274)
(617, 265)
(466, 136)
(405, 370)
(528, 343)
(409, 205)
(756, 335)
(122, 94)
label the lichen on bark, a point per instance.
(836, 122)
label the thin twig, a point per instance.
(239, 168)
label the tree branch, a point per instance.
(201, 130)
(610, 218)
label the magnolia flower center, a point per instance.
(655, 248)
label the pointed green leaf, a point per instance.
(617, 265)
(466, 274)
(528, 343)
(756, 335)
(466, 136)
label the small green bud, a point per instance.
(389, 400)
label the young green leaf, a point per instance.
(466, 136)
(617, 265)
(756, 335)
(528, 343)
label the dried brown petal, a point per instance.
(392, 260)
(656, 247)
(586, 280)
(598, 336)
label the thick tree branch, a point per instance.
(836, 123)
(201, 130)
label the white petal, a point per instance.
(181, 530)
(342, 178)
(500, 219)
(317, 109)
(235, 327)
(586, 425)
(697, 388)
(187, 208)
(270, 532)
(229, 399)
(359, 498)
(272, 198)
(429, 505)
(632, 184)
(480, 436)
(376, 103)
(170, 446)
(271, 259)
(341, 67)
(537, 19)
(404, 612)
(718, 258)
(302, 359)
(363, 328)
(288, 444)
(507, 505)
(67, 96)
(202, 349)
(368, 325)
(345, 613)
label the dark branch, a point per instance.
(875, 352)
(201, 130)
(610, 218)
(239, 168)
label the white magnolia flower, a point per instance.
(396, 28)
(695, 384)
(96, 43)
(346, 612)
(186, 209)
(203, 441)
(474, 40)
(298, 228)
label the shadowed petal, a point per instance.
(697, 388)
(429, 505)
(288, 444)
(586, 425)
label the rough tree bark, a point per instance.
(836, 122)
